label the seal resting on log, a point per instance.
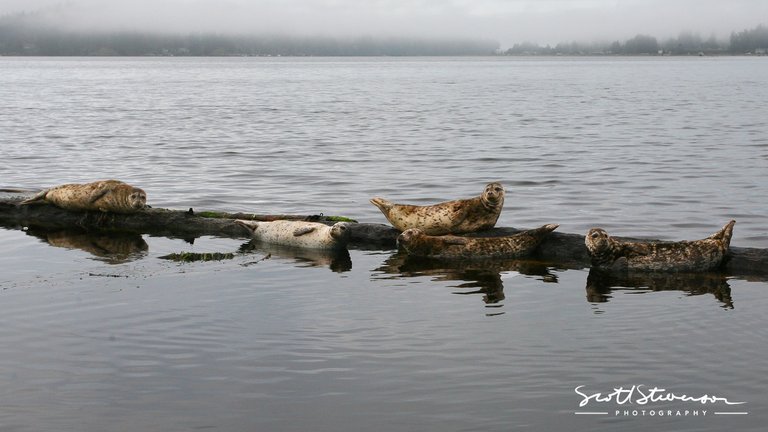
(703, 255)
(311, 235)
(450, 217)
(415, 242)
(109, 196)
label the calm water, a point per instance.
(99, 333)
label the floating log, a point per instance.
(566, 250)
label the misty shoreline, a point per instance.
(25, 35)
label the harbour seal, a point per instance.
(311, 235)
(111, 196)
(450, 217)
(519, 245)
(684, 256)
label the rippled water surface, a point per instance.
(100, 333)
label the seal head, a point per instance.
(493, 196)
(341, 232)
(603, 249)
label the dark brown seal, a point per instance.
(519, 245)
(684, 256)
(106, 196)
(450, 217)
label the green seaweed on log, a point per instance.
(212, 215)
(195, 256)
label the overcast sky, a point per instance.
(506, 21)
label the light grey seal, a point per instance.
(110, 196)
(311, 235)
(684, 256)
(519, 245)
(450, 217)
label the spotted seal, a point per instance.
(110, 196)
(519, 245)
(311, 235)
(684, 256)
(450, 217)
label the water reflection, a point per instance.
(601, 284)
(112, 248)
(479, 277)
(337, 260)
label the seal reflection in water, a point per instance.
(451, 217)
(311, 235)
(519, 245)
(111, 196)
(112, 248)
(601, 284)
(684, 256)
(337, 260)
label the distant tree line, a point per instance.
(21, 34)
(25, 34)
(754, 41)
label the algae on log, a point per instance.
(565, 249)
(196, 256)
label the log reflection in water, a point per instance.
(601, 284)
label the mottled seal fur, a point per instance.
(106, 196)
(450, 217)
(311, 235)
(519, 245)
(684, 256)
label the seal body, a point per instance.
(416, 242)
(106, 196)
(311, 235)
(450, 217)
(707, 254)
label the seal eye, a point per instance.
(595, 235)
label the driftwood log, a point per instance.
(563, 249)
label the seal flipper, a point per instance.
(298, 232)
(382, 204)
(724, 234)
(250, 225)
(634, 249)
(546, 229)
(100, 192)
(453, 240)
(38, 198)
(621, 264)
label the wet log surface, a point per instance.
(566, 250)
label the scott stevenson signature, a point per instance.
(641, 395)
